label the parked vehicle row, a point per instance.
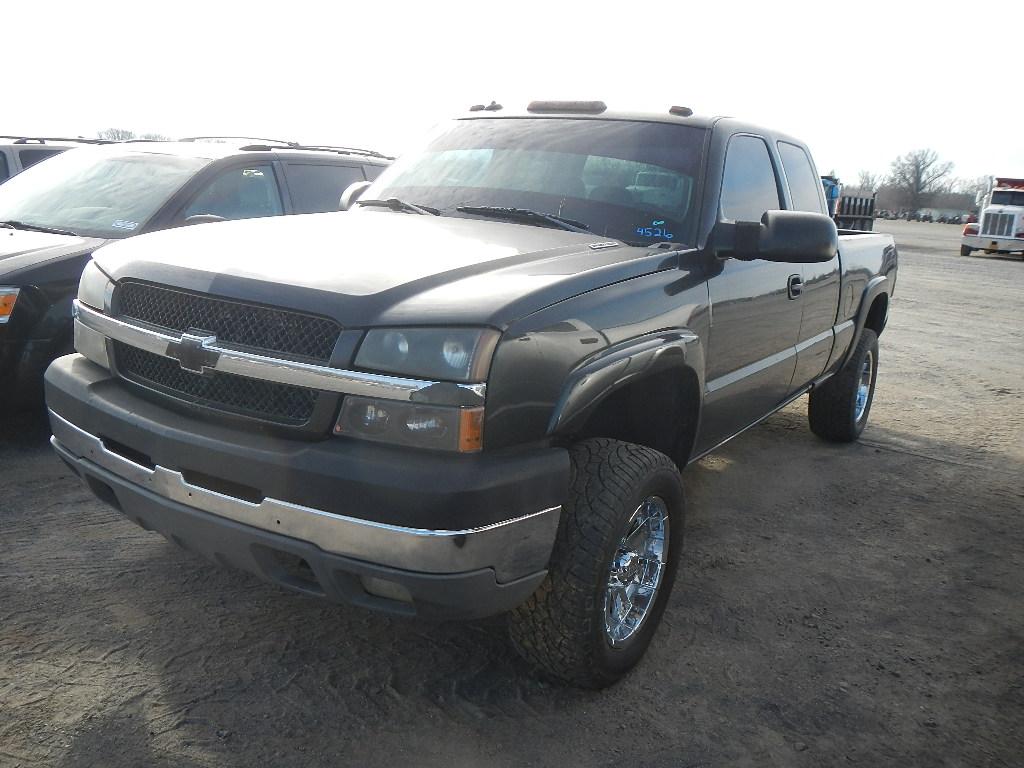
(473, 393)
(55, 216)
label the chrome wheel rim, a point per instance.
(636, 571)
(864, 387)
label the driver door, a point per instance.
(755, 313)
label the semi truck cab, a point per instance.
(1001, 225)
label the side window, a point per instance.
(32, 156)
(239, 193)
(373, 171)
(318, 188)
(5, 171)
(804, 186)
(748, 187)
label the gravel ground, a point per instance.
(857, 604)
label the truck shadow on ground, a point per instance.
(803, 561)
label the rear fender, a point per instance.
(876, 287)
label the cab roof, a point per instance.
(598, 110)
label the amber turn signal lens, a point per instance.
(471, 430)
(7, 298)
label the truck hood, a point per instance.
(21, 251)
(382, 268)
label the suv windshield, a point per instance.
(1007, 198)
(100, 192)
(630, 180)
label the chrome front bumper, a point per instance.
(993, 243)
(512, 548)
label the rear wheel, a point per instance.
(838, 409)
(965, 250)
(612, 568)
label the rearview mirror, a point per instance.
(352, 193)
(789, 236)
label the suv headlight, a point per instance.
(8, 296)
(95, 288)
(435, 354)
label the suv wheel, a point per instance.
(612, 568)
(965, 250)
(838, 409)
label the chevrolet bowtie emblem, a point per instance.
(193, 353)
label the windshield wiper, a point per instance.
(400, 205)
(36, 228)
(524, 214)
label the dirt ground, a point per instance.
(858, 604)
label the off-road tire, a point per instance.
(965, 250)
(561, 627)
(832, 407)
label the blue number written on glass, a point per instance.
(655, 231)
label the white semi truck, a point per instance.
(1001, 228)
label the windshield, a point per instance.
(1008, 198)
(100, 192)
(630, 180)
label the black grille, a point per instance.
(262, 328)
(264, 400)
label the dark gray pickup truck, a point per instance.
(474, 393)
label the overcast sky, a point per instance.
(861, 82)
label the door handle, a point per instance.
(795, 286)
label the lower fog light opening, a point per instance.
(390, 590)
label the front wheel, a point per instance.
(966, 250)
(838, 409)
(612, 568)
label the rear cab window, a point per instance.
(804, 185)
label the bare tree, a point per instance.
(123, 134)
(979, 186)
(868, 181)
(918, 174)
(115, 134)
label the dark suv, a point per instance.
(55, 215)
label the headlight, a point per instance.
(8, 295)
(437, 354)
(412, 424)
(95, 288)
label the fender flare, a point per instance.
(622, 364)
(878, 285)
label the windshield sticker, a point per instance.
(656, 230)
(125, 224)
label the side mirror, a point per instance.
(352, 193)
(788, 236)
